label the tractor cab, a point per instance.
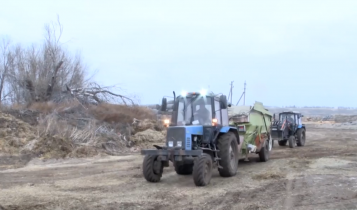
(289, 128)
(198, 109)
(293, 118)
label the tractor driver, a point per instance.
(203, 114)
(291, 118)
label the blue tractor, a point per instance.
(289, 129)
(198, 136)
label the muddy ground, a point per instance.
(321, 175)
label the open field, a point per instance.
(321, 175)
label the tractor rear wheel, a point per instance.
(264, 152)
(202, 170)
(282, 142)
(228, 154)
(183, 169)
(292, 141)
(301, 137)
(152, 168)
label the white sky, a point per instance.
(289, 52)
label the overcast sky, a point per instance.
(289, 52)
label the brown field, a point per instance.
(320, 175)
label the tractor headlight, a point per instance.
(166, 122)
(179, 143)
(171, 144)
(203, 92)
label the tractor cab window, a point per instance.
(181, 113)
(184, 111)
(194, 110)
(289, 117)
(202, 111)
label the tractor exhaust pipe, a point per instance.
(174, 96)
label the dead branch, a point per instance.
(97, 93)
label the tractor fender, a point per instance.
(300, 127)
(226, 129)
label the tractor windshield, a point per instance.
(288, 116)
(194, 110)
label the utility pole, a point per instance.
(230, 95)
(244, 92)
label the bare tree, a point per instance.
(39, 73)
(6, 62)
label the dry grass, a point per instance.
(58, 138)
(112, 113)
(50, 107)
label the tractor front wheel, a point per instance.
(202, 170)
(152, 168)
(228, 154)
(292, 141)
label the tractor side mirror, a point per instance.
(229, 105)
(302, 115)
(164, 105)
(223, 102)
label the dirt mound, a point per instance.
(148, 135)
(345, 118)
(71, 130)
(146, 124)
(14, 133)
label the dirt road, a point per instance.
(321, 175)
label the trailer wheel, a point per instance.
(264, 151)
(271, 143)
(183, 169)
(292, 141)
(152, 168)
(282, 143)
(228, 154)
(301, 137)
(202, 170)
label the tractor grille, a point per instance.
(176, 134)
(207, 134)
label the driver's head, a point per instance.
(201, 103)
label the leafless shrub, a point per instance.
(39, 73)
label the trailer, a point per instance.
(254, 128)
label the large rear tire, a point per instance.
(228, 154)
(292, 141)
(183, 169)
(202, 170)
(152, 168)
(301, 137)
